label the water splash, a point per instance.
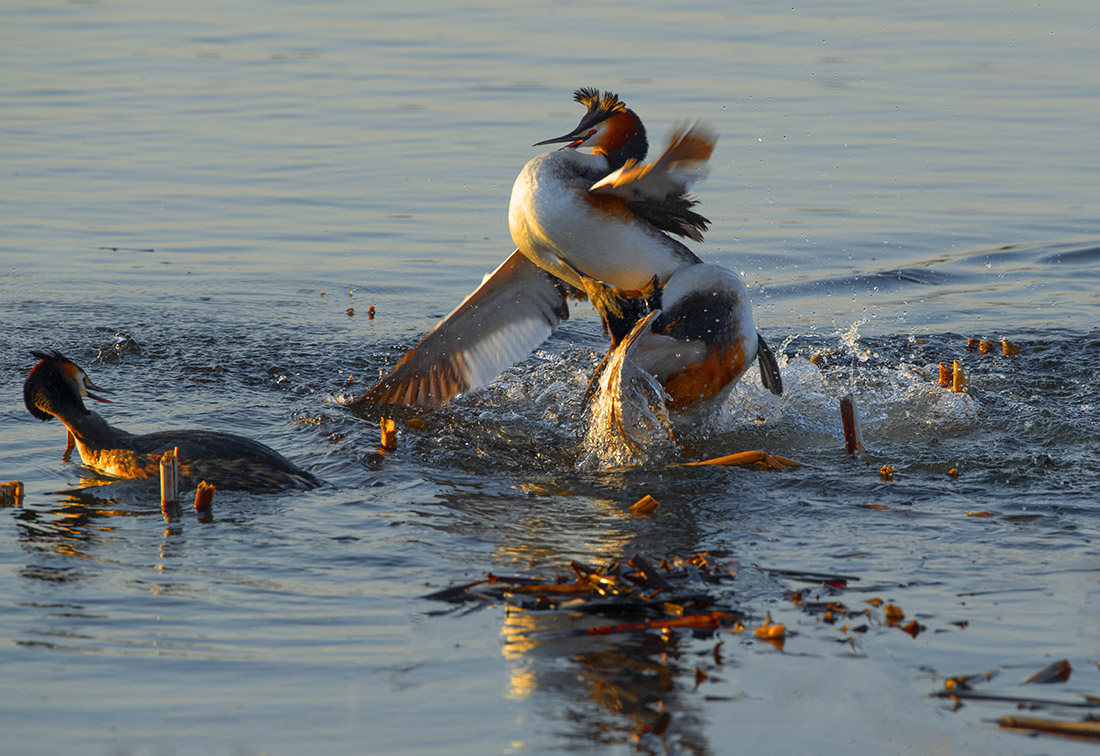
(627, 422)
(535, 411)
(899, 400)
(849, 342)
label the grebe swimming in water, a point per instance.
(57, 387)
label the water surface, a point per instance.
(222, 183)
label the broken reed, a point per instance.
(169, 477)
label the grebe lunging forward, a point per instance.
(593, 225)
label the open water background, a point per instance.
(222, 181)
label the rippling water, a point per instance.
(232, 186)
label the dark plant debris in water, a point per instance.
(645, 613)
(966, 689)
(651, 611)
(674, 594)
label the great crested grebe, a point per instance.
(593, 225)
(56, 387)
(603, 215)
(699, 338)
(680, 360)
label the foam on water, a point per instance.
(896, 400)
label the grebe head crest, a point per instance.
(609, 127)
(600, 107)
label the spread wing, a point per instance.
(657, 192)
(512, 312)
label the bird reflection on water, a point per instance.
(628, 687)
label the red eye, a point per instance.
(591, 132)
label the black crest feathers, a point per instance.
(599, 106)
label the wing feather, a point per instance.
(512, 312)
(681, 165)
(657, 191)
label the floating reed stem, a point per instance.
(204, 497)
(169, 477)
(389, 435)
(1085, 729)
(953, 376)
(646, 505)
(853, 433)
(11, 494)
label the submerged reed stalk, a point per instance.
(170, 477)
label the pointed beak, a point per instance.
(574, 137)
(89, 387)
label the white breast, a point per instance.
(550, 220)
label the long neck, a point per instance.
(93, 433)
